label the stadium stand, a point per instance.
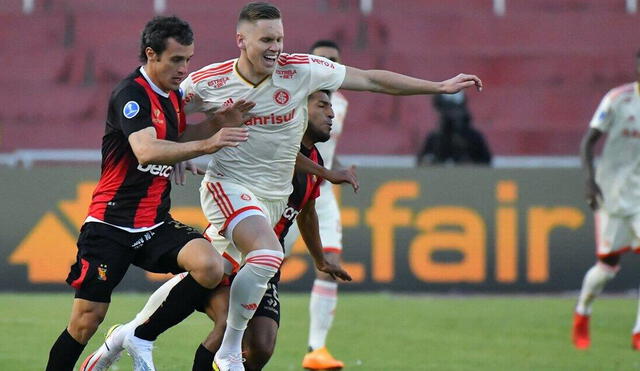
(545, 64)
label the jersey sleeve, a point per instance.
(132, 109)
(603, 117)
(325, 74)
(191, 96)
(315, 193)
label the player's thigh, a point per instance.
(162, 249)
(614, 234)
(255, 233)
(103, 258)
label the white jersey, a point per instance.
(328, 149)
(265, 162)
(618, 172)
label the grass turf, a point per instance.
(371, 332)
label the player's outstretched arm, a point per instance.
(179, 173)
(308, 224)
(348, 175)
(592, 192)
(387, 82)
(148, 149)
(229, 116)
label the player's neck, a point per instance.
(152, 75)
(307, 142)
(246, 70)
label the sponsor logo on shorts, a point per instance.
(245, 197)
(159, 170)
(281, 97)
(131, 109)
(102, 272)
(290, 213)
(140, 241)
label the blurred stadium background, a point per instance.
(518, 227)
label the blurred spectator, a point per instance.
(455, 141)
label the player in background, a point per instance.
(128, 220)
(324, 293)
(246, 187)
(613, 193)
(260, 337)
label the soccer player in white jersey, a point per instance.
(246, 188)
(324, 293)
(613, 192)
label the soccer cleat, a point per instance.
(228, 362)
(321, 359)
(635, 341)
(141, 352)
(108, 353)
(581, 331)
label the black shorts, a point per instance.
(270, 304)
(105, 253)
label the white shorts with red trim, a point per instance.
(616, 234)
(328, 220)
(225, 204)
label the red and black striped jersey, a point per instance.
(129, 194)
(305, 187)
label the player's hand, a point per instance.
(225, 137)
(593, 194)
(462, 81)
(333, 269)
(179, 174)
(233, 115)
(341, 176)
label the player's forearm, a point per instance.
(388, 82)
(587, 146)
(164, 152)
(307, 166)
(308, 226)
(199, 131)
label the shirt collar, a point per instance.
(153, 86)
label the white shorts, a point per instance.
(225, 204)
(328, 220)
(616, 234)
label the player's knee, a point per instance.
(264, 262)
(208, 271)
(85, 323)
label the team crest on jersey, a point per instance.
(102, 272)
(245, 197)
(281, 97)
(131, 109)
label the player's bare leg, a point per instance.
(86, 316)
(594, 281)
(217, 310)
(254, 237)
(205, 269)
(322, 306)
(259, 342)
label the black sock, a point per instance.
(179, 304)
(64, 353)
(203, 361)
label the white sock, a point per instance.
(322, 306)
(247, 290)
(593, 284)
(636, 328)
(154, 301)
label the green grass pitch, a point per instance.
(371, 332)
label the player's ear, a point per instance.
(241, 41)
(151, 54)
